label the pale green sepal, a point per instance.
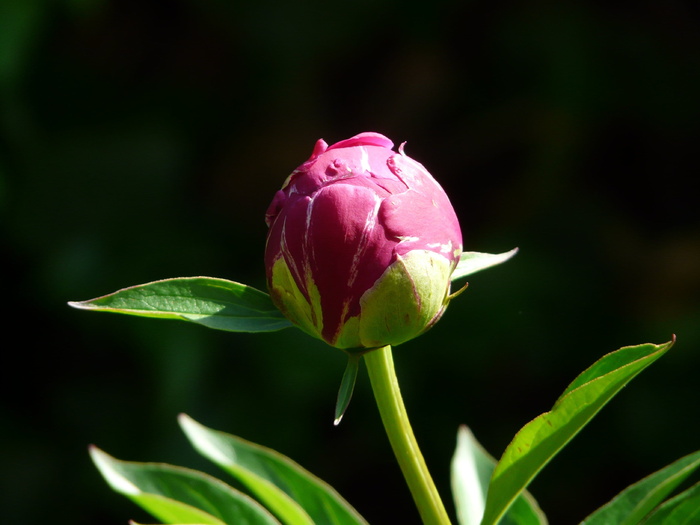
(406, 300)
(291, 301)
(349, 337)
(472, 262)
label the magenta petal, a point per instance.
(419, 224)
(347, 218)
(368, 138)
(274, 208)
(320, 147)
(348, 250)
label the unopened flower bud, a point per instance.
(361, 245)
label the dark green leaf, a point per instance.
(638, 500)
(178, 495)
(541, 439)
(215, 303)
(275, 480)
(471, 471)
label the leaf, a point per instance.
(471, 471)
(347, 385)
(542, 438)
(288, 490)
(683, 509)
(132, 522)
(631, 505)
(178, 495)
(215, 303)
(472, 262)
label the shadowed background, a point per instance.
(142, 140)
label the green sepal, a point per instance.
(306, 314)
(404, 302)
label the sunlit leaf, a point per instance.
(132, 522)
(215, 303)
(180, 496)
(683, 509)
(638, 500)
(541, 439)
(471, 471)
(275, 480)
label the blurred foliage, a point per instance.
(141, 140)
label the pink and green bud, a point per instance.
(361, 245)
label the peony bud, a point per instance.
(361, 245)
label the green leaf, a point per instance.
(178, 495)
(683, 509)
(638, 500)
(132, 522)
(289, 491)
(347, 386)
(541, 439)
(471, 471)
(215, 303)
(472, 262)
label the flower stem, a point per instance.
(385, 385)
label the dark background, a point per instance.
(142, 140)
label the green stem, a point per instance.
(380, 366)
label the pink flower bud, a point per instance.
(361, 245)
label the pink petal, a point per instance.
(349, 250)
(368, 138)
